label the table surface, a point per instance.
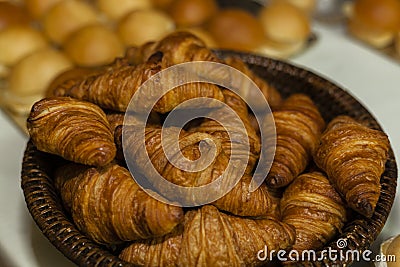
(371, 77)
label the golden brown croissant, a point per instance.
(314, 208)
(211, 238)
(354, 157)
(298, 128)
(177, 47)
(219, 131)
(238, 201)
(72, 77)
(272, 96)
(108, 205)
(114, 88)
(75, 130)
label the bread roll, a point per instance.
(397, 43)
(308, 6)
(116, 9)
(30, 77)
(142, 26)
(12, 14)
(236, 29)
(37, 8)
(17, 42)
(375, 22)
(391, 250)
(66, 17)
(284, 23)
(382, 14)
(162, 4)
(93, 45)
(279, 50)
(187, 13)
(374, 37)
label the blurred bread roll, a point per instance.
(162, 4)
(397, 43)
(142, 26)
(18, 41)
(93, 45)
(116, 9)
(66, 17)
(30, 77)
(12, 14)
(375, 22)
(236, 29)
(187, 13)
(390, 249)
(308, 6)
(284, 23)
(37, 8)
(279, 50)
(373, 37)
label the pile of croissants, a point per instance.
(320, 175)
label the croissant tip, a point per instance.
(365, 208)
(276, 181)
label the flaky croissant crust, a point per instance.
(75, 130)
(211, 238)
(354, 157)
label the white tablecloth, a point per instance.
(369, 76)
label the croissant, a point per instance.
(272, 96)
(354, 157)
(298, 128)
(219, 131)
(211, 238)
(108, 205)
(177, 47)
(312, 205)
(72, 77)
(75, 130)
(114, 88)
(238, 201)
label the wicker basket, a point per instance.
(46, 209)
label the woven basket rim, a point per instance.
(44, 205)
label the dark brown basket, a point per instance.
(45, 207)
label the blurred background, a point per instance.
(354, 43)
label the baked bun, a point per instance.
(93, 45)
(12, 14)
(66, 17)
(374, 37)
(391, 248)
(18, 41)
(284, 23)
(37, 8)
(236, 29)
(162, 4)
(30, 77)
(308, 6)
(116, 9)
(188, 13)
(279, 50)
(286, 28)
(375, 22)
(142, 26)
(397, 43)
